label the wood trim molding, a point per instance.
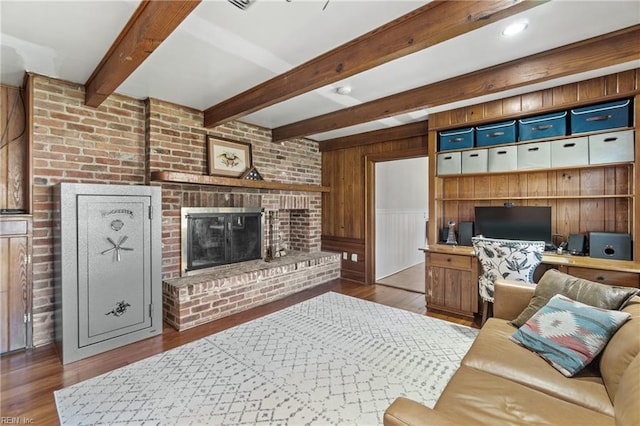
(370, 204)
(598, 52)
(406, 131)
(426, 26)
(148, 27)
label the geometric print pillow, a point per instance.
(569, 334)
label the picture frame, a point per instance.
(227, 157)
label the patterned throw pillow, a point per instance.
(507, 259)
(569, 334)
(594, 294)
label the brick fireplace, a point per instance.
(176, 143)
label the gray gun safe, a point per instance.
(108, 275)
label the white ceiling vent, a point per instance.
(241, 4)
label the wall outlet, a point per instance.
(345, 255)
(354, 257)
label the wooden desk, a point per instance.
(451, 275)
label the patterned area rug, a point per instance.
(333, 360)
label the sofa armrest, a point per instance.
(510, 298)
(405, 412)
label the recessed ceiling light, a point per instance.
(515, 28)
(343, 90)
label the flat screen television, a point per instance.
(515, 223)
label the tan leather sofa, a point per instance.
(502, 383)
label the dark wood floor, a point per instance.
(28, 378)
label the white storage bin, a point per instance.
(570, 152)
(475, 161)
(503, 158)
(449, 163)
(534, 156)
(611, 147)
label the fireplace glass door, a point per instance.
(207, 241)
(221, 237)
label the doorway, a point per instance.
(400, 216)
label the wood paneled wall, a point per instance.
(14, 154)
(570, 216)
(600, 89)
(344, 208)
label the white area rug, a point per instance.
(330, 360)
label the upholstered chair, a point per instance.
(506, 259)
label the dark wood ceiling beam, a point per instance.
(598, 52)
(431, 24)
(148, 27)
(405, 131)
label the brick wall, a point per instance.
(122, 142)
(73, 143)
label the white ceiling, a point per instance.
(219, 50)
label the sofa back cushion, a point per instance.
(622, 349)
(595, 294)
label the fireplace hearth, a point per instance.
(215, 236)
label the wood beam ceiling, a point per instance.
(431, 24)
(148, 27)
(598, 52)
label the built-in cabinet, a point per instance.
(15, 221)
(584, 198)
(15, 282)
(451, 283)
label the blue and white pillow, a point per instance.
(569, 334)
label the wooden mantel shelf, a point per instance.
(178, 177)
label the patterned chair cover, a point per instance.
(509, 259)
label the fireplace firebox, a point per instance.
(215, 236)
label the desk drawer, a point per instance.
(455, 261)
(625, 279)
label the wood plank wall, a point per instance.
(599, 89)
(343, 169)
(13, 149)
(344, 208)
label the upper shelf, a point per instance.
(178, 177)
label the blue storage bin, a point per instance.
(496, 133)
(456, 139)
(610, 115)
(543, 126)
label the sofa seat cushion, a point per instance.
(476, 397)
(494, 352)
